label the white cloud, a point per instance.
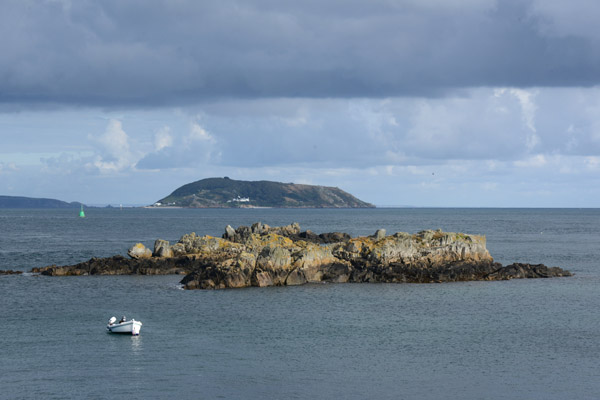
(163, 138)
(114, 154)
(528, 108)
(114, 139)
(201, 146)
(197, 134)
(197, 147)
(526, 99)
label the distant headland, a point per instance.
(230, 193)
(31, 202)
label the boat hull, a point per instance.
(131, 327)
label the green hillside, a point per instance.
(225, 192)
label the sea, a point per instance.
(518, 339)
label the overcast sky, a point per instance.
(475, 103)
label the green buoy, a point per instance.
(81, 213)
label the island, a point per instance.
(227, 193)
(260, 255)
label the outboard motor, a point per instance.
(112, 320)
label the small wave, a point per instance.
(177, 286)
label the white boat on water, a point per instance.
(132, 327)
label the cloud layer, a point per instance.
(137, 53)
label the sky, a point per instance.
(429, 103)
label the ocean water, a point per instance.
(522, 339)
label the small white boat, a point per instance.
(132, 327)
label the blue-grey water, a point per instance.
(522, 339)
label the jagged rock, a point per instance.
(309, 236)
(220, 274)
(162, 248)
(259, 228)
(334, 237)
(288, 230)
(243, 233)
(178, 250)
(138, 250)
(229, 232)
(273, 265)
(311, 260)
(295, 277)
(380, 234)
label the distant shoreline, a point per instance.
(258, 207)
(167, 207)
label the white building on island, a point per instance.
(239, 200)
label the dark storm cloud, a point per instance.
(113, 53)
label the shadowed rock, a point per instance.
(10, 272)
(520, 271)
(119, 265)
(162, 249)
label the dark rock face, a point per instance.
(519, 271)
(119, 265)
(214, 277)
(162, 249)
(10, 272)
(261, 255)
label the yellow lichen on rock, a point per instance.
(138, 250)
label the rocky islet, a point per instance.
(260, 255)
